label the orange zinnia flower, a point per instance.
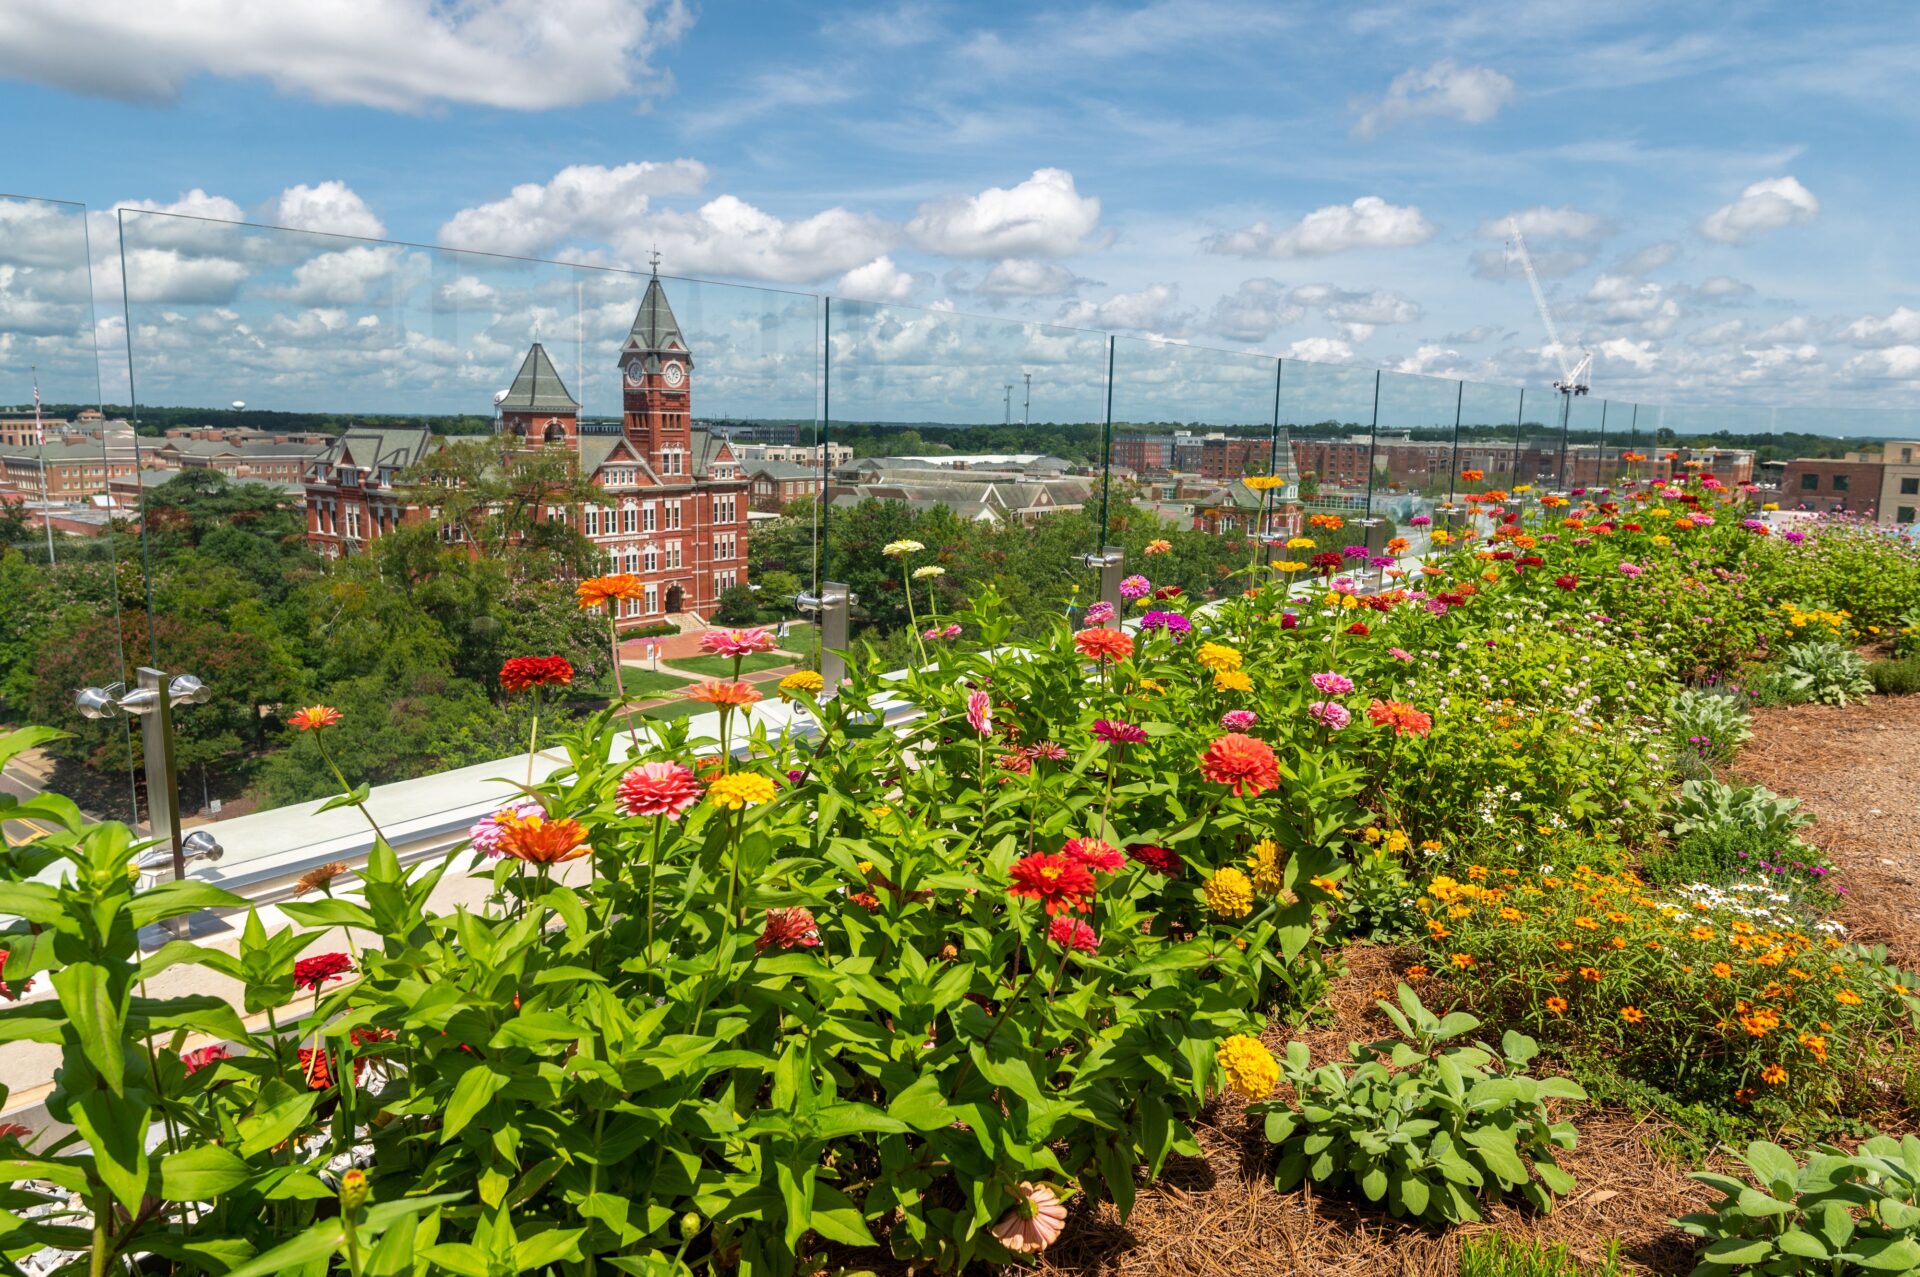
(1103, 644)
(731, 693)
(313, 717)
(1403, 718)
(540, 840)
(1632, 1015)
(597, 590)
(1556, 1004)
(1236, 759)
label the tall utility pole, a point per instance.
(1026, 411)
(1008, 419)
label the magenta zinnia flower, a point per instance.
(1135, 587)
(658, 789)
(980, 713)
(1100, 613)
(737, 642)
(1331, 684)
(1115, 732)
(1238, 720)
(1329, 714)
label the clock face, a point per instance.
(675, 374)
(635, 374)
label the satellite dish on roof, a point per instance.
(238, 404)
(499, 397)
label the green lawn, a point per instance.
(641, 681)
(722, 666)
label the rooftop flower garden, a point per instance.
(862, 997)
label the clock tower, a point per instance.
(656, 377)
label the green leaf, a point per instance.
(201, 1174)
(1760, 1204)
(88, 1000)
(328, 913)
(1772, 1163)
(117, 1132)
(1805, 1245)
(471, 1093)
(262, 1131)
(1897, 1254)
(172, 899)
(837, 1219)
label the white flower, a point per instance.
(931, 569)
(898, 549)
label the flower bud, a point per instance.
(689, 1225)
(353, 1191)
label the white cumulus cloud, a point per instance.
(879, 281)
(728, 236)
(1321, 350)
(1766, 205)
(1445, 90)
(1044, 216)
(1024, 277)
(1252, 311)
(330, 206)
(1895, 363)
(583, 200)
(1544, 222)
(1368, 222)
(1901, 327)
(1152, 309)
(404, 55)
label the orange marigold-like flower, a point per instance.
(1419, 971)
(314, 717)
(598, 590)
(1463, 960)
(540, 840)
(1632, 1015)
(1104, 645)
(1557, 1004)
(1238, 760)
(733, 693)
(1773, 1075)
(1403, 718)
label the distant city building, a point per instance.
(62, 470)
(676, 499)
(1900, 482)
(266, 458)
(1001, 489)
(815, 455)
(1851, 484)
(774, 485)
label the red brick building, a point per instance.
(674, 511)
(1812, 483)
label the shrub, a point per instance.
(1713, 855)
(1768, 821)
(1895, 677)
(1716, 995)
(1498, 1255)
(1824, 672)
(1711, 723)
(1430, 1131)
(1839, 1214)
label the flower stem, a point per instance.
(345, 788)
(533, 734)
(619, 686)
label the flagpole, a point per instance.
(46, 498)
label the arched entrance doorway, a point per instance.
(675, 597)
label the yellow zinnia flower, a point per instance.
(1250, 1067)
(1230, 893)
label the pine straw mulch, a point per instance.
(1219, 1213)
(1857, 771)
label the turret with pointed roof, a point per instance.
(656, 374)
(537, 406)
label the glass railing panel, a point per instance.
(1327, 414)
(66, 466)
(1414, 457)
(1191, 427)
(377, 471)
(980, 438)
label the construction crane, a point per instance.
(1574, 377)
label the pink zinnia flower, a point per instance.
(658, 789)
(787, 929)
(1329, 714)
(1071, 933)
(1331, 684)
(1094, 854)
(202, 1057)
(1631, 569)
(1100, 613)
(1115, 732)
(1034, 1220)
(1399, 653)
(737, 642)
(1238, 720)
(1135, 587)
(1047, 750)
(980, 713)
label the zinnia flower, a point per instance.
(540, 840)
(318, 877)
(1135, 587)
(1062, 884)
(202, 1057)
(737, 642)
(737, 790)
(1034, 1220)
(1331, 715)
(1158, 547)
(1115, 732)
(1230, 893)
(1104, 645)
(658, 789)
(788, 928)
(1100, 613)
(1101, 857)
(1631, 569)
(522, 672)
(732, 693)
(1071, 933)
(1238, 720)
(1556, 1004)
(898, 549)
(1233, 681)
(314, 717)
(1332, 684)
(1159, 859)
(801, 682)
(311, 973)
(598, 590)
(1403, 718)
(1217, 657)
(1239, 760)
(487, 831)
(1632, 1015)
(1266, 867)
(980, 713)
(1250, 1067)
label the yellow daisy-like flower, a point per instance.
(1267, 867)
(1264, 482)
(1230, 893)
(1441, 536)
(1300, 543)
(1289, 565)
(740, 789)
(896, 549)
(1218, 657)
(1232, 681)
(1250, 1067)
(802, 681)
(1771, 506)
(1329, 886)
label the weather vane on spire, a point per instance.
(653, 259)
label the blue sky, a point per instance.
(1716, 195)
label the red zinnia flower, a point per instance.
(1071, 933)
(1104, 645)
(1062, 884)
(658, 789)
(1101, 857)
(787, 928)
(1403, 718)
(314, 717)
(1326, 561)
(1568, 582)
(1359, 628)
(311, 973)
(1159, 859)
(201, 1057)
(522, 672)
(1236, 759)
(319, 1074)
